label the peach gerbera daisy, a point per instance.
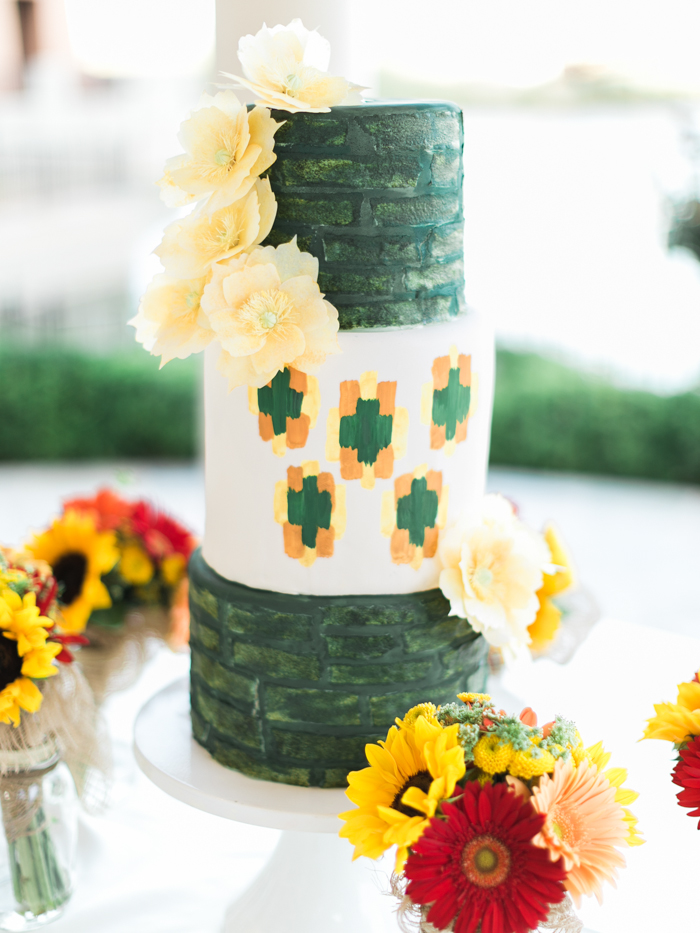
(583, 825)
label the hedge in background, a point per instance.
(551, 417)
(64, 405)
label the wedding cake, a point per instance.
(348, 393)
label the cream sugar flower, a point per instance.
(492, 569)
(170, 322)
(267, 312)
(287, 68)
(190, 246)
(226, 149)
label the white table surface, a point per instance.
(154, 865)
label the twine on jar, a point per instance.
(19, 806)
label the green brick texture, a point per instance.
(291, 688)
(375, 193)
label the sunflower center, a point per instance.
(486, 862)
(69, 571)
(10, 662)
(423, 780)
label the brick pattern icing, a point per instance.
(374, 192)
(290, 689)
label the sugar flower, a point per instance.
(170, 322)
(493, 567)
(190, 246)
(287, 68)
(267, 313)
(226, 149)
(583, 825)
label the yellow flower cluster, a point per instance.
(677, 722)
(27, 656)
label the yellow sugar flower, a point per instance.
(24, 653)
(267, 312)
(546, 624)
(563, 577)
(170, 322)
(135, 566)
(79, 555)
(492, 570)
(226, 149)
(599, 758)
(286, 68)
(492, 755)
(423, 710)
(190, 246)
(409, 774)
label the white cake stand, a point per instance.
(310, 884)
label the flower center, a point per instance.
(265, 310)
(486, 862)
(483, 577)
(192, 300)
(10, 662)
(223, 157)
(69, 572)
(423, 780)
(568, 826)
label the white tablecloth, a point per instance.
(154, 865)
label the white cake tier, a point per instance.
(376, 524)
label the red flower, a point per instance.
(109, 509)
(65, 656)
(687, 775)
(479, 868)
(160, 534)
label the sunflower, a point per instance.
(677, 722)
(24, 654)
(479, 868)
(409, 774)
(583, 825)
(686, 775)
(79, 554)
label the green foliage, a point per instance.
(551, 417)
(58, 404)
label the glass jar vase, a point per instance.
(40, 821)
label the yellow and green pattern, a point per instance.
(287, 408)
(311, 509)
(413, 514)
(367, 432)
(449, 401)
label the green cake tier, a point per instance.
(375, 193)
(291, 688)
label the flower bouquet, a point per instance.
(121, 572)
(679, 723)
(47, 714)
(498, 823)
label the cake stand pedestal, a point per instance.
(310, 884)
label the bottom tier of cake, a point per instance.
(291, 688)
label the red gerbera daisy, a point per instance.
(160, 534)
(479, 866)
(687, 775)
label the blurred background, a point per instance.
(582, 204)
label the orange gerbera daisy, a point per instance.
(583, 824)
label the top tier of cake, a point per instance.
(374, 192)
